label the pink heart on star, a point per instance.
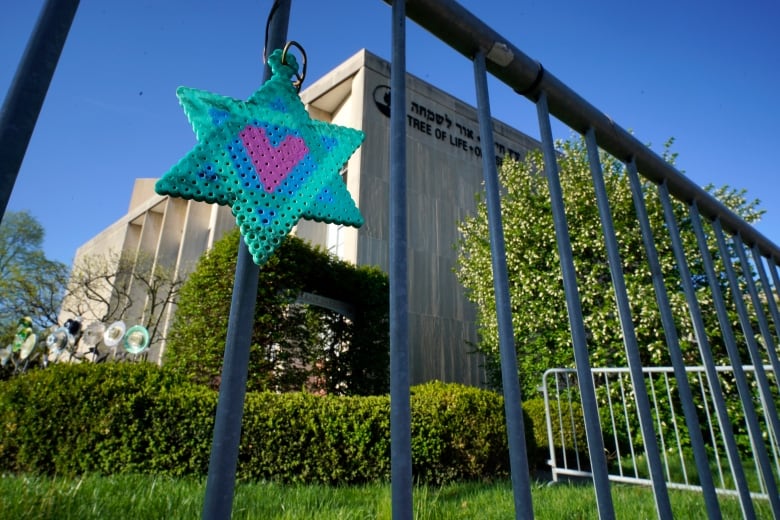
(272, 164)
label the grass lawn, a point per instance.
(150, 497)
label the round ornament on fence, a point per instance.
(136, 339)
(93, 333)
(28, 346)
(114, 334)
(58, 340)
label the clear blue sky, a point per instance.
(706, 73)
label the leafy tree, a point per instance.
(293, 345)
(123, 286)
(30, 284)
(539, 315)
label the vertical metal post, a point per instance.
(518, 458)
(660, 492)
(221, 480)
(28, 89)
(548, 419)
(673, 344)
(763, 324)
(764, 393)
(726, 430)
(400, 406)
(743, 387)
(770, 298)
(587, 389)
(772, 294)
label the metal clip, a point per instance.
(299, 77)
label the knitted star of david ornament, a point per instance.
(266, 159)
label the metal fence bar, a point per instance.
(706, 470)
(763, 324)
(518, 460)
(772, 440)
(624, 400)
(776, 321)
(764, 392)
(573, 305)
(707, 395)
(705, 350)
(775, 441)
(613, 424)
(221, 479)
(673, 344)
(771, 346)
(226, 439)
(655, 411)
(767, 287)
(572, 422)
(561, 431)
(548, 419)
(745, 394)
(660, 492)
(637, 476)
(400, 401)
(25, 97)
(776, 285)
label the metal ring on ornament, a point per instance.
(136, 339)
(114, 334)
(58, 340)
(298, 77)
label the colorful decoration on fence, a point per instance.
(266, 159)
(23, 330)
(136, 339)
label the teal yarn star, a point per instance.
(266, 159)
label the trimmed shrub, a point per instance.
(458, 433)
(293, 345)
(114, 417)
(118, 418)
(304, 438)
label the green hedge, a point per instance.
(572, 434)
(113, 417)
(458, 432)
(119, 418)
(315, 346)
